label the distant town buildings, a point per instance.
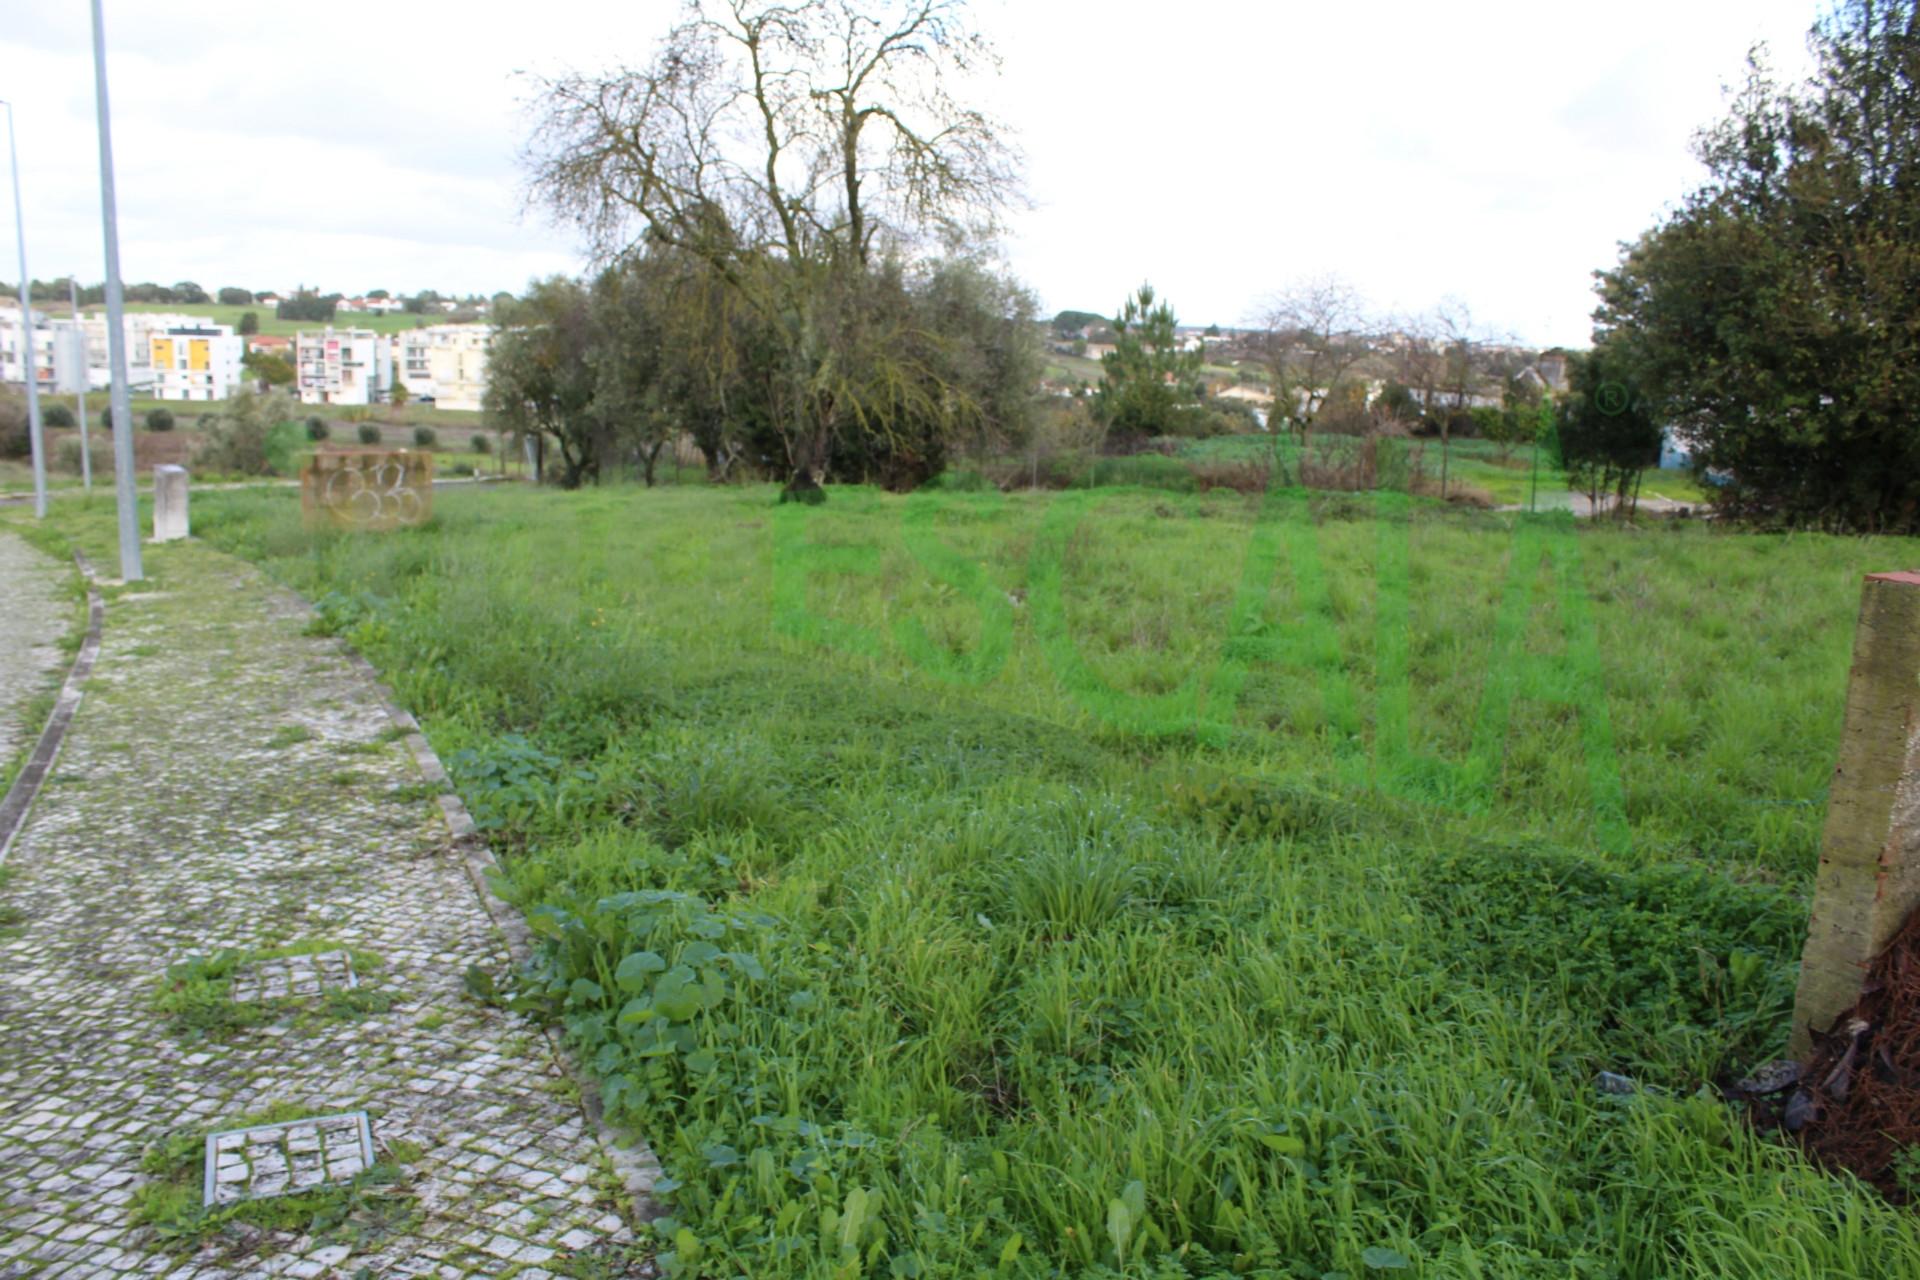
(71, 355)
(177, 356)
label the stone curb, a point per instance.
(635, 1163)
(26, 784)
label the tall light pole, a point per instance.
(80, 393)
(125, 498)
(30, 374)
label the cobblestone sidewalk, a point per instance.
(232, 785)
(35, 611)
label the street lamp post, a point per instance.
(28, 372)
(125, 499)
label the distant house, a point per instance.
(267, 344)
(1096, 350)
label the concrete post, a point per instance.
(1869, 877)
(169, 503)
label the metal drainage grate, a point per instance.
(278, 1159)
(286, 977)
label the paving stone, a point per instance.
(195, 831)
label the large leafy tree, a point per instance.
(542, 377)
(1775, 318)
(791, 149)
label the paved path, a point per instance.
(36, 609)
(232, 783)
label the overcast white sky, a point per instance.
(1492, 151)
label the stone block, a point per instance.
(169, 503)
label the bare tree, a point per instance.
(1313, 334)
(1439, 361)
(779, 143)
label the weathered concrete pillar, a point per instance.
(1869, 878)
(169, 503)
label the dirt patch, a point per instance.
(1857, 1106)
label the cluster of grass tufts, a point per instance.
(195, 995)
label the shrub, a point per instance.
(253, 437)
(57, 415)
(368, 433)
(159, 419)
(317, 428)
(67, 458)
(1147, 470)
(425, 436)
(1242, 475)
(14, 439)
(481, 444)
(964, 480)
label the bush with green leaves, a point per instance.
(66, 458)
(317, 428)
(368, 433)
(159, 419)
(57, 415)
(425, 436)
(481, 444)
(254, 436)
(15, 442)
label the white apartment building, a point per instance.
(447, 362)
(195, 362)
(12, 366)
(69, 355)
(343, 366)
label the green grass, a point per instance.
(914, 953)
(195, 995)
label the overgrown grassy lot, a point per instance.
(1150, 884)
(1504, 475)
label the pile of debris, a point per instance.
(1855, 1104)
